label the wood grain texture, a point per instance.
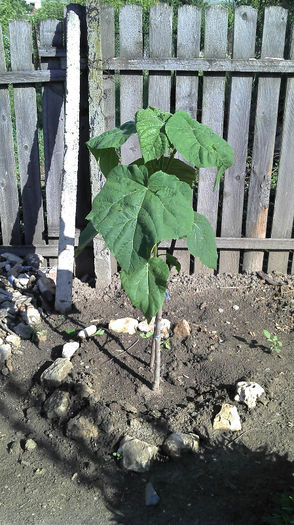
(9, 205)
(25, 107)
(273, 43)
(238, 129)
(131, 85)
(108, 51)
(31, 77)
(284, 202)
(160, 45)
(65, 268)
(102, 261)
(215, 45)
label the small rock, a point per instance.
(30, 445)
(236, 307)
(81, 427)
(14, 340)
(145, 327)
(9, 365)
(69, 349)
(24, 279)
(5, 353)
(136, 454)
(23, 330)
(14, 447)
(248, 392)
(5, 371)
(182, 329)
(221, 310)
(177, 443)
(31, 316)
(35, 260)
(55, 375)
(47, 288)
(126, 325)
(56, 406)
(87, 332)
(227, 419)
(151, 496)
(165, 328)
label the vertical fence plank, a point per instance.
(27, 133)
(131, 85)
(63, 299)
(9, 205)
(108, 51)
(160, 41)
(51, 35)
(188, 46)
(273, 43)
(238, 128)
(102, 262)
(215, 46)
(284, 202)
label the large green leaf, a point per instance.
(86, 237)
(150, 128)
(201, 241)
(146, 287)
(175, 167)
(198, 143)
(133, 213)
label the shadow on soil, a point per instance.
(225, 484)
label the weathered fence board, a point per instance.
(131, 85)
(284, 201)
(9, 205)
(108, 51)
(238, 129)
(273, 44)
(25, 107)
(215, 45)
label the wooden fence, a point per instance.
(249, 100)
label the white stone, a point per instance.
(165, 328)
(236, 307)
(227, 419)
(5, 353)
(177, 443)
(30, 445)
(145, 327)
(14, 340)
(23, 279)
(69, 349)
(126, 325)
(31, 316)
(136, 454)
(87, 332)
(248, 392)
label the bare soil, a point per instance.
(235, 476)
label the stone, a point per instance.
(165, 328)
(69, 349)
(47, 288)
(178, 443)
(23, 330)
(14, 340)
(126, 325)
(236, 307)
(80, 427)
(5, 353)
(24, 279)
(227, 419)
(182, 329)
(31, 316)
(145, 327)
(248, 392)
(151, 496)
(87, 332)
(136, 454)
(35, 260)
(56, 406)
(56, 374)
(30, 445)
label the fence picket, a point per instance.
(273, 43)
(216, 31)
(238, 128)
(108, 51)
(51, 35)
(25, 107)
(131, 85)
(284, 201)
(9, 205)
(160, 45)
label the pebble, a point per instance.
(182, 329)
(69, 349)
(23, 330)
(236, 307)
(227, 419)
(248, 392)
(87, 332)
(81, 427)
(5, 353)
(56, 374)
(126, 325)
(136, 454)
(56, 406)
(14, 340)
(30, 445)
(178, 443)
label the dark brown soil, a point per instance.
(234, 477)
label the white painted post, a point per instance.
(63, 300)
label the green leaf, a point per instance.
(175, 167)
(86, 236)
(150, 128)
(198, 144)
(70, 331)
(201, 241)
(114, 138)
(173, 261)
(267, 334)
(146, 335)
(99, 332)
(133, 213)
(146, 287)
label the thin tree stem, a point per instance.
(157, 340)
